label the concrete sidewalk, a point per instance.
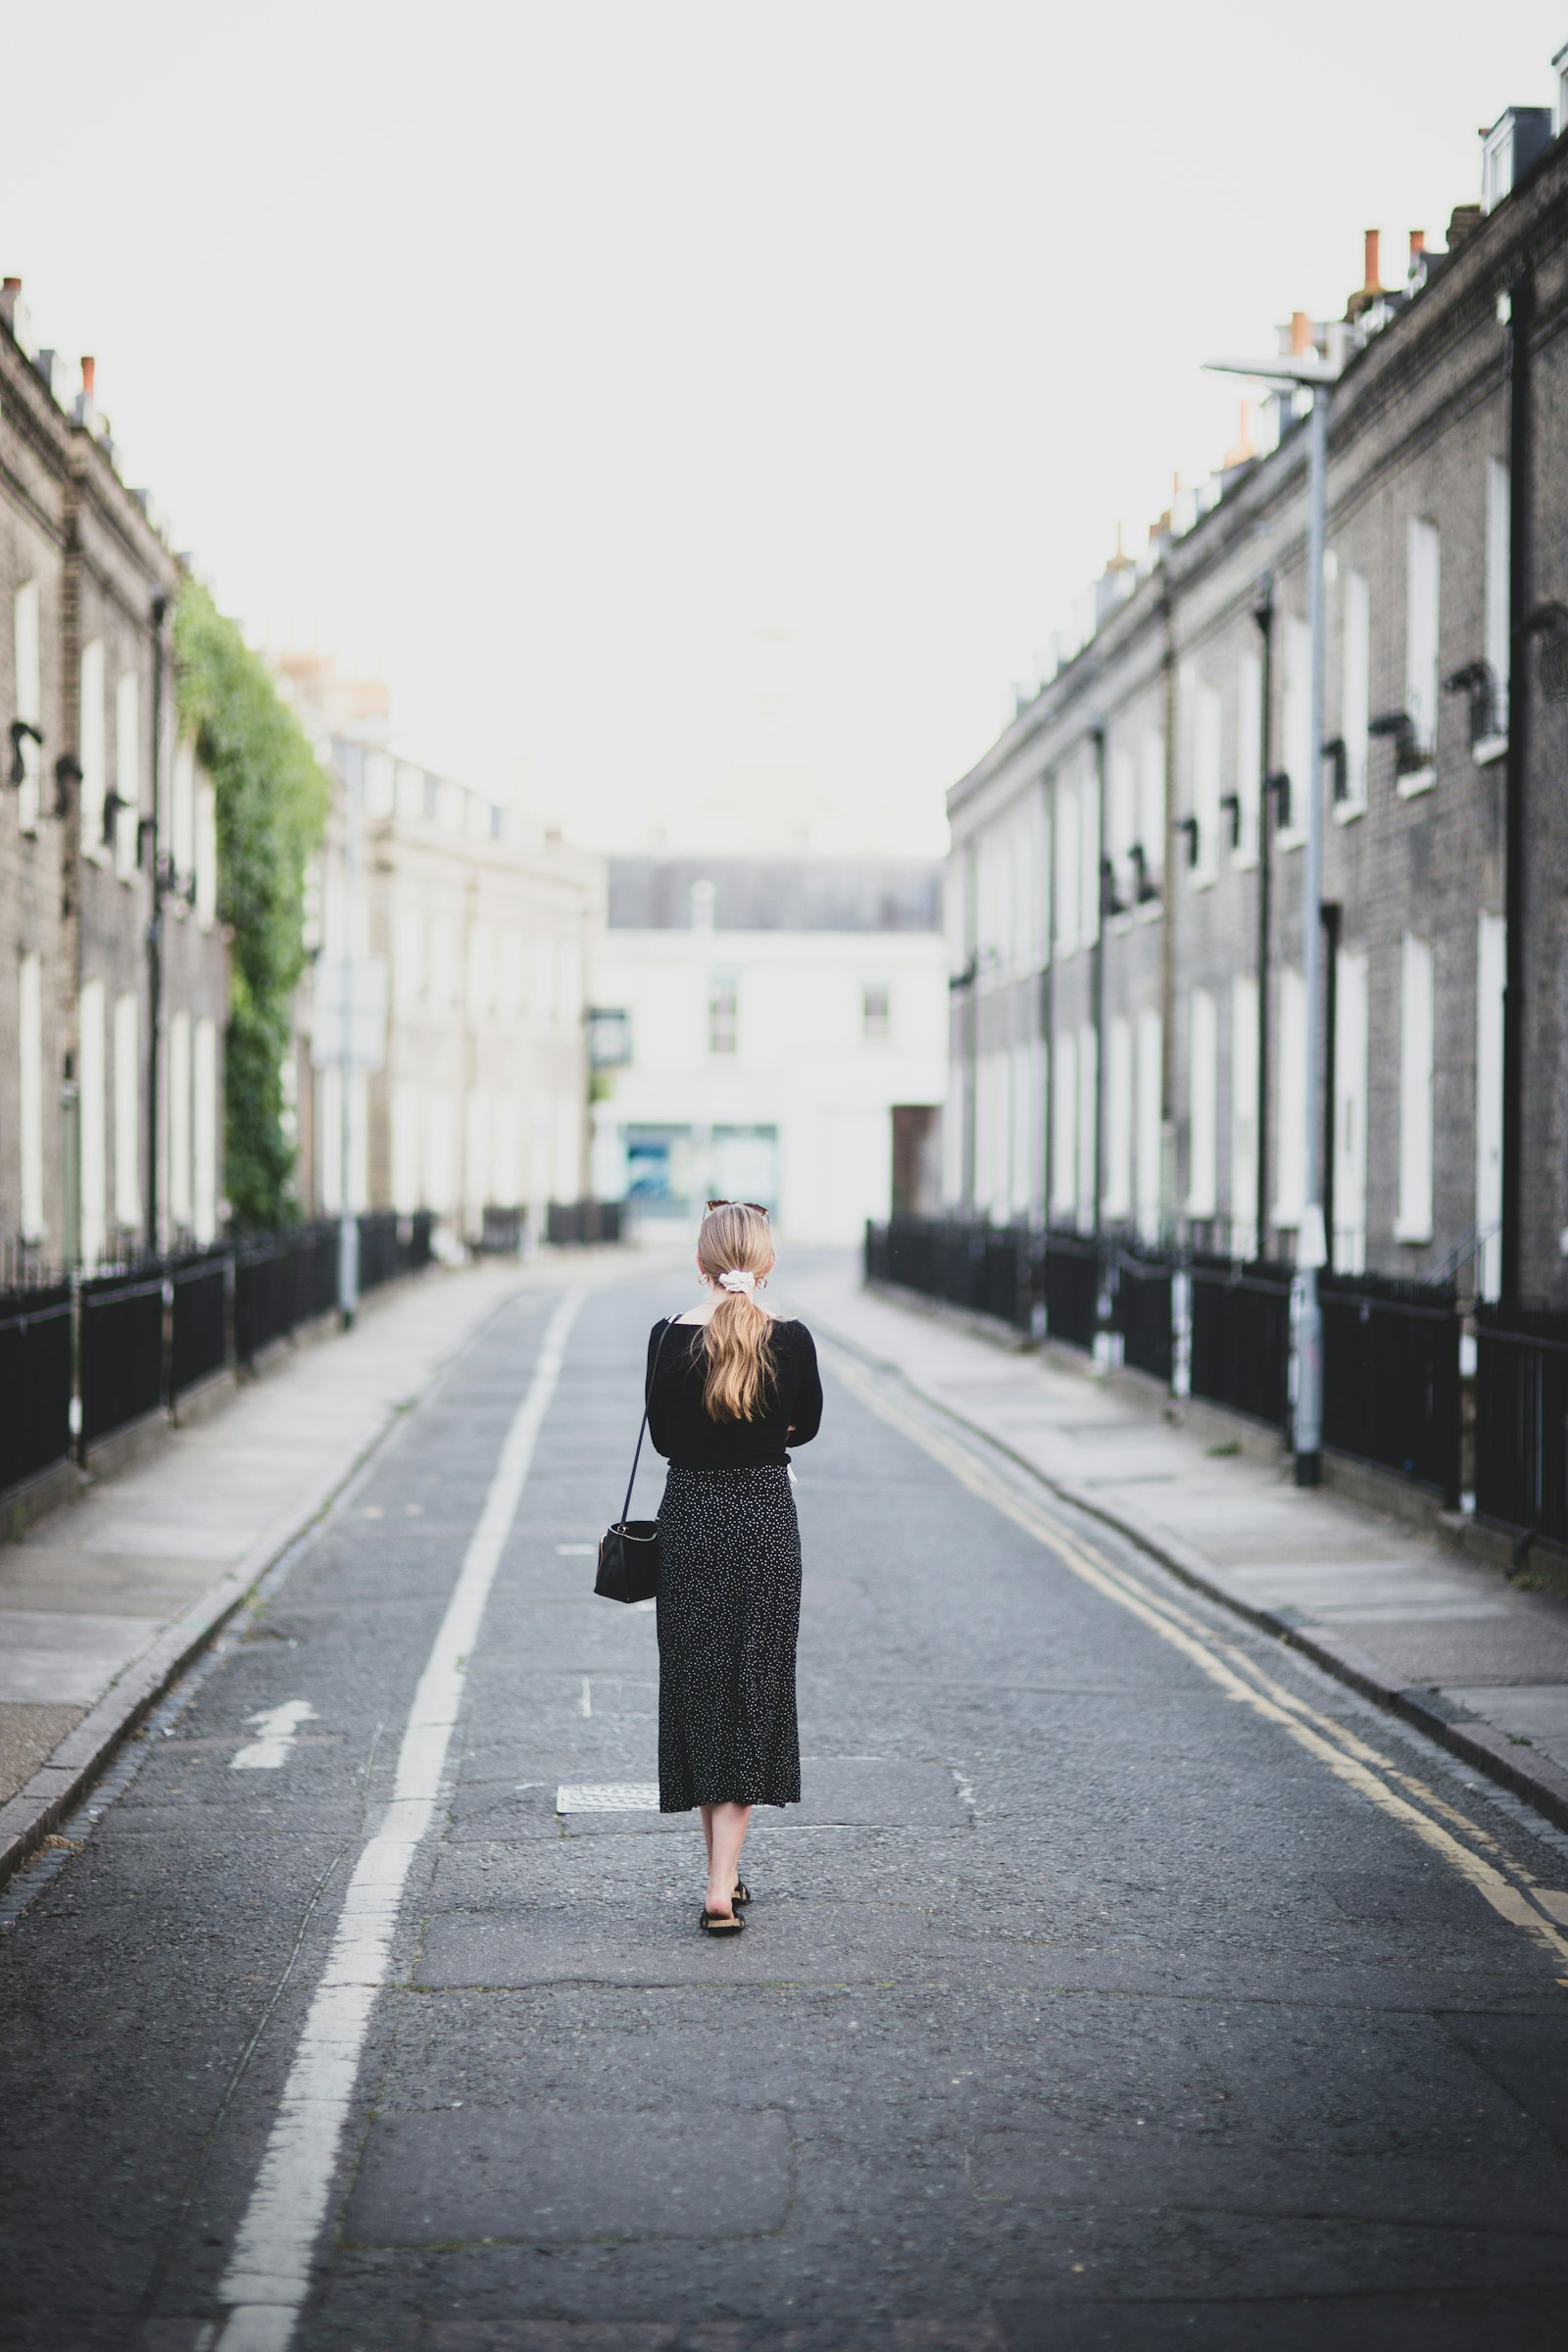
(1443, 1639)
(103, 1601)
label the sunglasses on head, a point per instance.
(756, 1204)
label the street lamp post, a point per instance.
(1298, 369)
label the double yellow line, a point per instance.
(1513, 1892)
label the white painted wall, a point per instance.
(802, 1062)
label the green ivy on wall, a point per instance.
(271, 811)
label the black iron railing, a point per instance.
(198, 1338)
(36, 1337)
(1391, 1376)
(1522, 1420)
(578, 1224)
(1241, 1337)
(1141, 1310)
(120, 1346)
(1073, 1282)
(989, 1270)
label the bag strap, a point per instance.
(648, 1398)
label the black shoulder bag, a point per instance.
(628, 1554)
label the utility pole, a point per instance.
(1305, 370)
(348, 1236)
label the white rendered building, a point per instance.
(765, 1029)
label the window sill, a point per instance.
(1243, 861)
(1151, 910)
(1411, 787)
(1416, 1236)
(1345, 813)
(1203, 878)
(1491, 748)
(1291, 840)
(95, 856)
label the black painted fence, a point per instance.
(986, 1269)
(1071, 1286)
(36, 1338)
(124, 1344)
(1391, 1389)
(578, 1224)
(1141, 1310)
(1241, 1337)
(1522, 1421)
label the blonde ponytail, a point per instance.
(737, 1339)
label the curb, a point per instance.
(59, 1786)
(1475, 1741)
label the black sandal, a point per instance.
(742, 1894)
(720, 1923)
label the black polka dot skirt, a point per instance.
(729, 1611)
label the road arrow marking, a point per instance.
(278, 1728)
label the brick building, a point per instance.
(1124, 889)
(114, 972)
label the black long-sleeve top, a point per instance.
(678, 1420)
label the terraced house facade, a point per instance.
(1124, 888)
(113, 970)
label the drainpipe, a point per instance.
(1170, 1192)
(155, 928)
(1521, 308)
(1048, 997)
(1332, 915)
(1263, 616)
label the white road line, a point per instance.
(269, 2274)
(278, 1728)
(586, 1702)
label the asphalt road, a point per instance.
(1122, 1983)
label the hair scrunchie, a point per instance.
(736, 1278)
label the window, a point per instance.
(1147, 1134)
(91, 751)
(1248, 749)
(408, 965)
(1026, 1125)
(1244, 1116)
(875, 1009)
(1206, 782)
(30, 700)
(206, 855)
(1498, 651)
(476, 1157)
(182, 808)
(1088, 1082)
(1088, 864)
(1416, 1024)
(1123, 825)
(1202, 1102)
(1491, 974)
(1067, 867)
(406, 1098)
(481, 974)
(724, 1017)
(92, 1115)
(204, 1127)
(1151, 803)
(1355, 690)
(128, 1111)
(1118, 1171)
(1289, 1176)
(1348, 1242)
(30, 1092)
(128, 772)
(1421, 653)
(180, 1125)
(1065, 1128)
(1297, 726)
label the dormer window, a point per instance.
(1510, 148)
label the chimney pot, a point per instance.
(1373, 284)
(89, 370)
(1418, 243)
(1300, 334)
(13, 285)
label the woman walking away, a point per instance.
(733, 1385)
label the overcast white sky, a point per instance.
(543, 354)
